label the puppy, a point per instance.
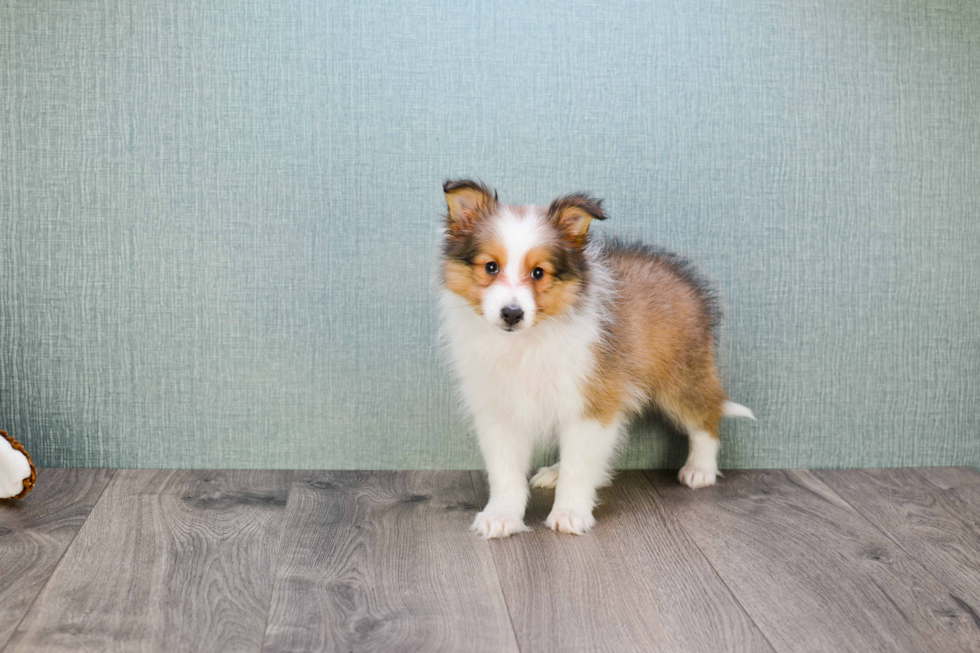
(556, 337)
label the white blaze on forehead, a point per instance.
(518, 234)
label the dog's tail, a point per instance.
(731, 409)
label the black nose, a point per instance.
(511, 314)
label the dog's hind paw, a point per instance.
(546, 477)
(697, 477)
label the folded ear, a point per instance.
(467, 201)
(573, 213)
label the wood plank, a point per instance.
(35, 533)
(635, 583)
(926, 520)
(167, 561)
(812, 572)
(384, 561)
(960, 484)
(960, 490)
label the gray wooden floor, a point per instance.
(872, 560)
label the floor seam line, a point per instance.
(275, 571)
(912, 556)
(731, 592)
(496, 570)
(112, 477)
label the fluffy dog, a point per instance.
(555, 336)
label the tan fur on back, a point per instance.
(660, 345)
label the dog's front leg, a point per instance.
(587, 450)
(507, 453)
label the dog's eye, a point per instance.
(537, 273)
(492, 267)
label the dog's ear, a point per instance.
(573, 213)
(467, 201)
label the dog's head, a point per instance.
(516, 265)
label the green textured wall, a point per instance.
(218, 219)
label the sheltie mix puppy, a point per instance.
(556, 337)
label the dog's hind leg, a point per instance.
(701, 468)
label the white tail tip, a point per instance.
(731, 409)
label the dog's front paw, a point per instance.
(571, 521)
(492, 524)
(695, 477)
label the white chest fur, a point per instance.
(531, 380)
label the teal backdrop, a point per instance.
(219, 218)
